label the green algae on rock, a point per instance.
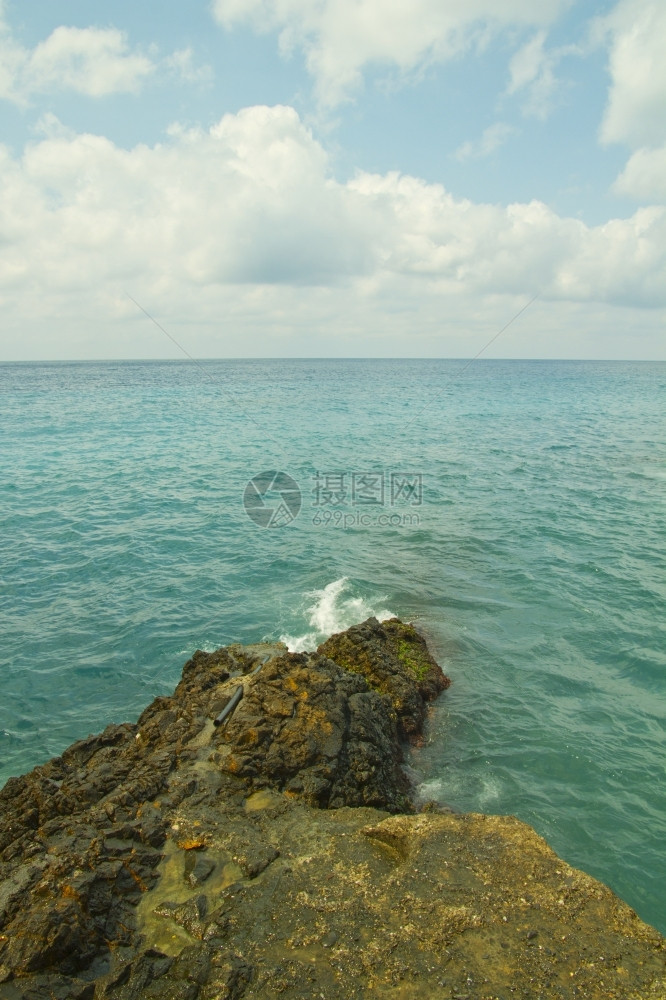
(395, 660)
(281, 854)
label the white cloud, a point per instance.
(341, 38)
(94, 62)
(636, 110)
(532, 72)
(527, 63)
(247, 201)
(91, 61)
(183, 64)
(491, 139)
(12, 60)
(644, 176)
(491, 249)
(245, 220)
(635, 114)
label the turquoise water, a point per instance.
(516, 510)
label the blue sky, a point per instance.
(333, 178)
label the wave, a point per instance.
(334, 609)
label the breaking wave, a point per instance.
(333, 609)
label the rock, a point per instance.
(338, 746)
(257, 859)
(395, 661)
(281, 853)
(198, 868)
(190, 914)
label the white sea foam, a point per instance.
(490, 791)
(431, 790)
(333, 609)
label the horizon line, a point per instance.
(376, 357)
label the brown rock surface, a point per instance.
(179, 860)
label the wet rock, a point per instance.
(145, 975)
(49, 988)
(311, 727)
(281, 853)
(198, 868)
(395, 661)
(190, 915)
(193, 964)
(257, 859)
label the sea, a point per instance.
(515, 511)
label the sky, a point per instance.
(332, 178)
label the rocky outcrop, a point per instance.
(280, 853)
